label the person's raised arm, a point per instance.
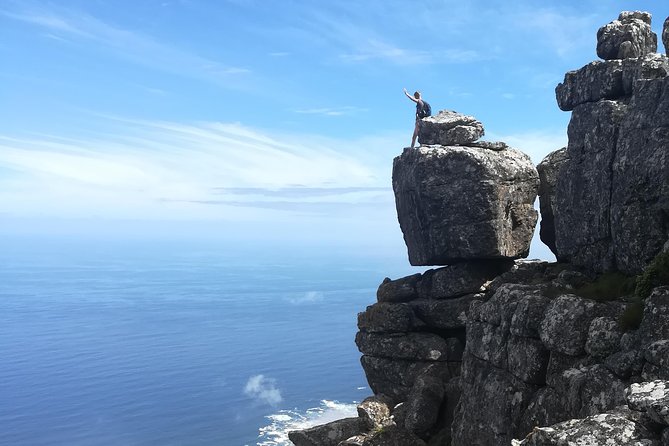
(409, 96)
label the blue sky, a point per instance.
(253, 117)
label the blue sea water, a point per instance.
(166, 343)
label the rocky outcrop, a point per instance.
(607, 203)
(330, 434)
(548, 170)
(491, 350)
(461, 203)
(448, 128)
(644, 421)
(628, 37)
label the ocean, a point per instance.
(136, 342)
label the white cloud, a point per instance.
(153, 169)
(263, 390)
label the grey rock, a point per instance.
(528, 314)
(527, 359)
(393, 436)
(583, 191)
(564, 328)
(411, 346)
(491, 405)
(395, 377)
(651, 398)
(548, 173)
(423, 404)
(559, 363)
(665, 433)
(640, 177)
(650, 66)
(590, 390)
(443, 314)
(657, 353)
(385, 317)
(595, 81)
(375, 411)
(546, 407)
(625, 364)
(490, 145)
(488, 342)
(459, 203)
(449, 128)
(655, 323)
(460, 278)
(603, 337)
(632, 27)
(598, 430)
(357, 440)
(330, 434)
(399, 290)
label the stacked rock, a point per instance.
(628, 37)
(608, 205)
(456, 202)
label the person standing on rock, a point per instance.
(423, 110)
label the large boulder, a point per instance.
(607, 429)
(548, 172)
(628, 37)
(595, 81)
(330, 434)
(639, 210)
(462, 203)
(449, 128)
(584, 184)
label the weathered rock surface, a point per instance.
(651, 398)
(330, 434)
(598, 430)
(628, 37)
(375, 412)
(609, 205)
(548, 172)
(449, 128)
(459, 203)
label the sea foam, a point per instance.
(280, 423)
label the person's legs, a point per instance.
(415, 135)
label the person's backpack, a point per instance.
(425, 110)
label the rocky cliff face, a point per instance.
(609, 206)
(491, 350)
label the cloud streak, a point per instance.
(163, 169)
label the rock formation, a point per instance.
(490, 350)
(609, 207)
(628, 37)
(457, 203)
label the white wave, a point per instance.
(276, 432)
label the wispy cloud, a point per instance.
(169, 170)
(263, 390)
(124, 43)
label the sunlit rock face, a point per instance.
(458, 203)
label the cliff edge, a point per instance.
(488, 349)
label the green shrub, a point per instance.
(656, 274)
(608, 286)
